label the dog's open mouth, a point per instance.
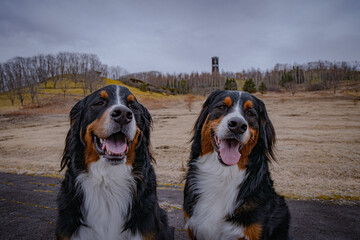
(228, 149)
(114, 147)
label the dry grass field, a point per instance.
(318, 141)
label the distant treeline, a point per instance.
(182, 83)
(20, 76)
(313, 76)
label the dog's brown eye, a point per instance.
(99, 103)
(132, 106)
(250, 113)
(222, 107)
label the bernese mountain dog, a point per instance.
(228, 192)
(109, 190)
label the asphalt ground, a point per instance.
(28, 211)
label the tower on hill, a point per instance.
(215, 65)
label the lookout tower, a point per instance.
(215, 65)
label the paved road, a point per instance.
(28, 211)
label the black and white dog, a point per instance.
(228, 192)
(109, 190)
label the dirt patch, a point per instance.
(318, 143)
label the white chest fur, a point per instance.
(217, 186)
(107, 200)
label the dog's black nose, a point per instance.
(121, 115)
(237, 125)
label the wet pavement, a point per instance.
(28, 211)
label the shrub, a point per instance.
(249, 86)
(143, 87)
(262, 88)
(315, 87)
(230, 84)
(286, 80)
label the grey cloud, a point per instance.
(178, 36)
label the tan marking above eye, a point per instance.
(228, 101)
(130, 98)
(104, 94)
(247, 105)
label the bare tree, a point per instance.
(104, 71)
(2, 78)
(91, 67)
(52, 67)
(189, 100)
(64, 86)
(10, 82)
(95, 63)
(84, 69)
(41, 67)
(31, 77)
(116, 72)
(334, 78)
(74, 68)
(18, 64)
(93, 81)
(62, 61)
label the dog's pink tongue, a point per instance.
(229, 151)
(115, 144)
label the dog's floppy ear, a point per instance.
(147, 121)
(267, 131)
(73, 136)
(204, 112)
(258, 167)
(145, 124)
(196, 146)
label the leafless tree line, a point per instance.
(182, 83)
(317, 75)
(20, 76)
(314, 75)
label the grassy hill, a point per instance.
(48, 97)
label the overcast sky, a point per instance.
(182, 36)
